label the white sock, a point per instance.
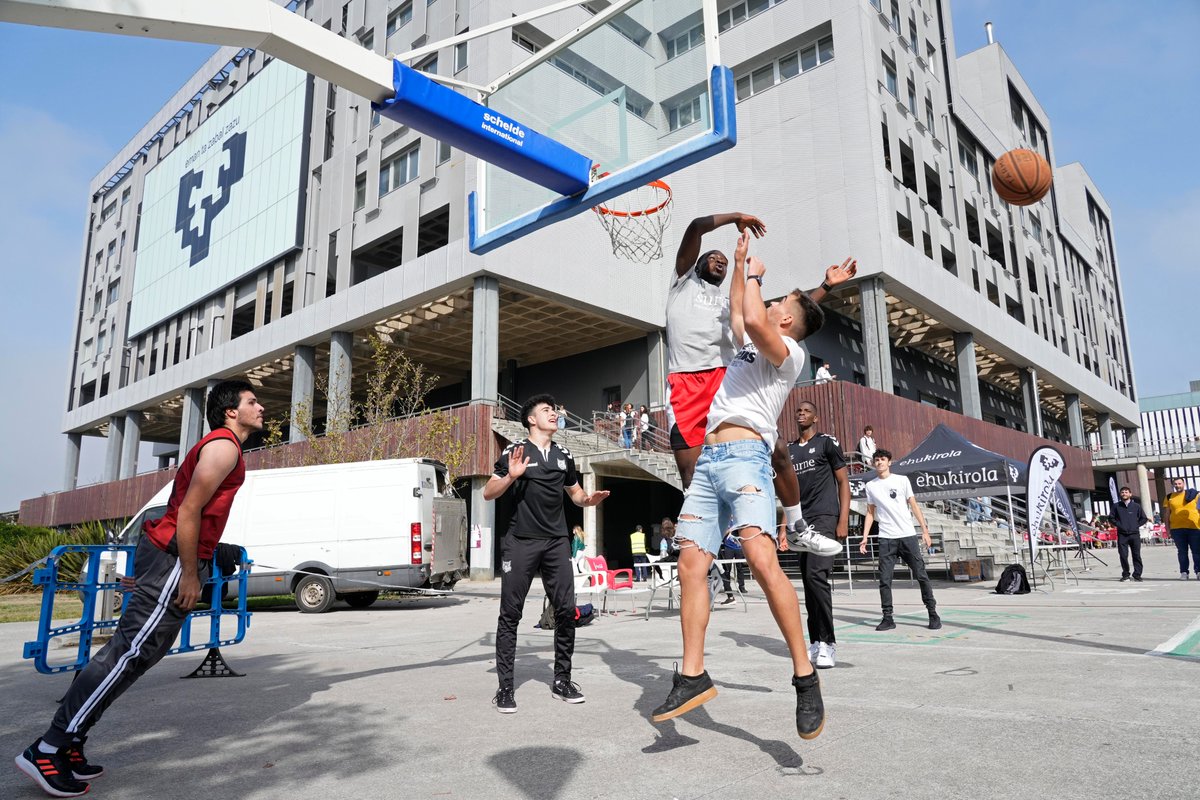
(43, 747)
(792, 514)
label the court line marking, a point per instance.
(1173, 646)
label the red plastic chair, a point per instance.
(613, 580)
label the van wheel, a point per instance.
(314, 594)
(361, 599)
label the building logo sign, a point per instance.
(224, 201)
(195, 237)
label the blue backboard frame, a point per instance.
(722, 137)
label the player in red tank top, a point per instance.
(171, 564)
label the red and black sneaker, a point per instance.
(80, 768)
(52, 771)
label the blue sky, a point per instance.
(1119, 81)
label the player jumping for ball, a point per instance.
(731, 491)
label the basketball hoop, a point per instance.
(636, 221)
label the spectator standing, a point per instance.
(1130, 518)
(1182, 518)
(578, 541)
(643, 427)
(637, 546)
(866, 445)
(562, 418)
(890, 500)
(628, 425)
(823, 373)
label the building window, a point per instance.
(912, 97)
(742, 11)
(678, 45)
(398, 170)
(368, 40)
(912, 32)
(889, 71)
(443, 152)
(1035, 227)
(101, 347)
(966, 156)
(376, 118)
(108, 211)
(929, 121)
(896, 16)
(460, 57)
(686, 112)
(525, 42)
(429, 65)
(931, 57)
(114, 291)
(399, 18)
(360, 191)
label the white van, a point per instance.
(342, 531)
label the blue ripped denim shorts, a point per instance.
(731, 489)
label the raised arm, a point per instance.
(766, 337)
(689, 246)
(737, 289)
(834, 275)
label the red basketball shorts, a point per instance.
(691, 396)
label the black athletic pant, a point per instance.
(520, 560)
(146, 631)
(818, 594)
(743, 571)
(1125, 543)
(908, 550)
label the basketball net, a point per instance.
(636, 221)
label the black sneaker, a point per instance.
(728, 599)
(1124, 578)
(686, 693)
(810, 708)
(567, 691)
(935, 622)
(886, 624)
(51, 771)
(80, 768)
(1137, 578)
(505, 700)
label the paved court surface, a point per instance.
(1049, 695)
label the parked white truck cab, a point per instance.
(342, 531)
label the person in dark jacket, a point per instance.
(1129, 518)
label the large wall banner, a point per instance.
(226, 201)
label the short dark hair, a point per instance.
(811, 317)
(808, 403)
(531, 404)
(868, 428)
(1126, 489)
(881, 453)
(224, 396)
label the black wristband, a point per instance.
(826, 287)
(758, 278)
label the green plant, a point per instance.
(20, 546)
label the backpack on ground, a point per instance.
(584, 615)
(1013, 580)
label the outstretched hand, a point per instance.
(743, 247)
(841, 273)
(755, 225)
(517, 462)
(595, 498)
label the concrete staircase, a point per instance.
(591, 449)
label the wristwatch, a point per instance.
(757, 278)
(826, 287)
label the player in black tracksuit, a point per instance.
(825, 501)
(537, 543)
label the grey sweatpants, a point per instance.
(145, 633)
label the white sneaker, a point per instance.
(826, 656)
(813, 649)
(803, 536)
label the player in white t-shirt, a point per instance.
(731, 491)
(890, 501)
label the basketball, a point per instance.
(1021, 177)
